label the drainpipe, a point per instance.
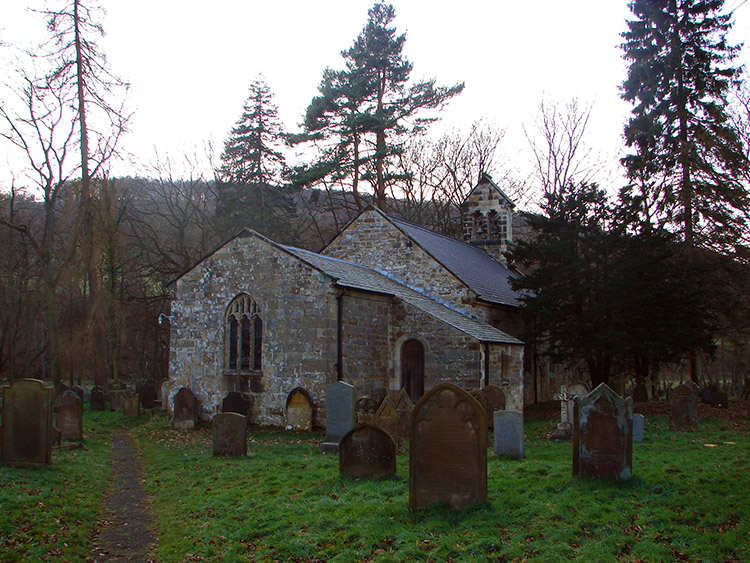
(340, 336)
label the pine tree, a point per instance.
(364, 108)
(686, 157)
(252, 166)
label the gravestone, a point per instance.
(640, 392)
(603, 435)
(339, 414)
(403, 405)
(185, 415)
(148, 395)
(567, 395)
(27, 430)
(509, 433)
(164, 395)
(115, 399)
(389, 419)
(447, 449)
(684, 408)
(98, 399)
(131, 404)
(366, 407)
(81, 392)
(367, 452)
(494, 398)
(229, 431)
(299, 410)
(69, 418)
(638, 427)
(236, 402)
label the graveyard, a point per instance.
(285, 500)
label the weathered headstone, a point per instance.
(148, 395)
(603, 435)
(494, 399)
(684, 408)
(164, 395)
(367, 452)
(366, 407)
(447, 449)
(69, 418)
(115, 399)
(509, 433)
(389, 419)
(638, 427)
(567, 395)
(131, 404)
(98, 399)
(339, 414)
(185, 415)
(27, 430)
(81, 392)
(229, 430)
(236, 402)
(299, 410)
(403, 405)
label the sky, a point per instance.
(190, 62)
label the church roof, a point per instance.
(484, 275)
(354, 276)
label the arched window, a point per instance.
(243, 335)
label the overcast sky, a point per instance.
(190, 62)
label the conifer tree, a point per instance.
(252, 165)
(686, 158)
(363, 109)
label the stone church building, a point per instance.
(386, 305)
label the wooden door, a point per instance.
(412, 369)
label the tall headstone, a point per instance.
(299, 410)
(131, 404)
(638, 427)
(236, 402)
(69, 419)
(684, 408)
(185, 415)
(339, 414)
(367, 452)
(229, 431)
(98, 400)
(27, 430)
(509, 433)
(447, 449)
(603, 435)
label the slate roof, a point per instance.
(484, 275)
(355, 276)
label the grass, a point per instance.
(286, 502)
(689, 501)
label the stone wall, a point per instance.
(297, 305)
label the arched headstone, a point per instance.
(299, 410)
(69, 419)
(603, 435)
(447, 449)
(27, 423)
(131, 404)
(367, 452)
(229, 432)
(185, 415)
(684, 408)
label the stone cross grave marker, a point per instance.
(566, 396)
(236, 402)
(69, 419)
(98, 401)
(27, 423)
(131, 404)
(447, 449)
(299, 410)
(339, 414)
(684, 408)
(638, 427)
(185, 409)
(367, 452)
(603, 435)
(229, 431)
(509, 433)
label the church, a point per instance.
(386, 305)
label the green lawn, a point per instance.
(689, 501)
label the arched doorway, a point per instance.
(412, 369)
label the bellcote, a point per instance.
(488, 218)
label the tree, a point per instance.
(252, 165)
(686, 162)
(365, 110)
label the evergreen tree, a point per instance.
(686, 158)
(364, 108)
(249, 178)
